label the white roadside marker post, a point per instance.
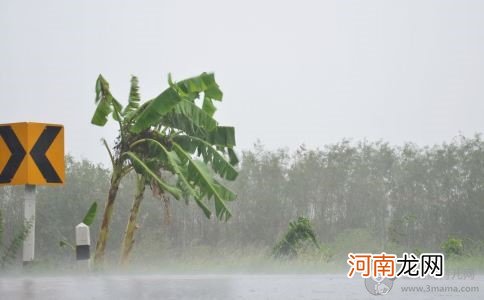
(83, 244)
(29, 220)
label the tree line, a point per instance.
(407, 196)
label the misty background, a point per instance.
(293, 72)
(359, 197)
(365, 117)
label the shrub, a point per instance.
(452, 247)
(299, 231)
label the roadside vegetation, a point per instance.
(358, 196)
(173, 145)
(298, 234)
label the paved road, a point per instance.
(140, 287)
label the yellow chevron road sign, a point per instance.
(31, 153)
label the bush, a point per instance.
(299, 231)
(453, 247)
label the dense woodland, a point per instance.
(358, 195)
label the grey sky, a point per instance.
(293, 72)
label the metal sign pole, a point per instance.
(29, 220)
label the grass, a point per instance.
(331, 258)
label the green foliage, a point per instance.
(90, 215)
(8, 252)
(198, 174)
(172, 133)
(134, 98)
(299, 231)
(156, 109)
(148, 144)
(144, 169)
(106, 104)
(64, 243)
(453, 247)
(179, 99)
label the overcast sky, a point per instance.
(293, 72)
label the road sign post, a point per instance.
(31, 154)
(29, 221)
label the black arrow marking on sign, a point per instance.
(17, 154)
(39, 150)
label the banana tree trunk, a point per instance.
(128, 240)
(108, 212)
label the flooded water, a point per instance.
(227, 287)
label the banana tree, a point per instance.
(169, 133)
